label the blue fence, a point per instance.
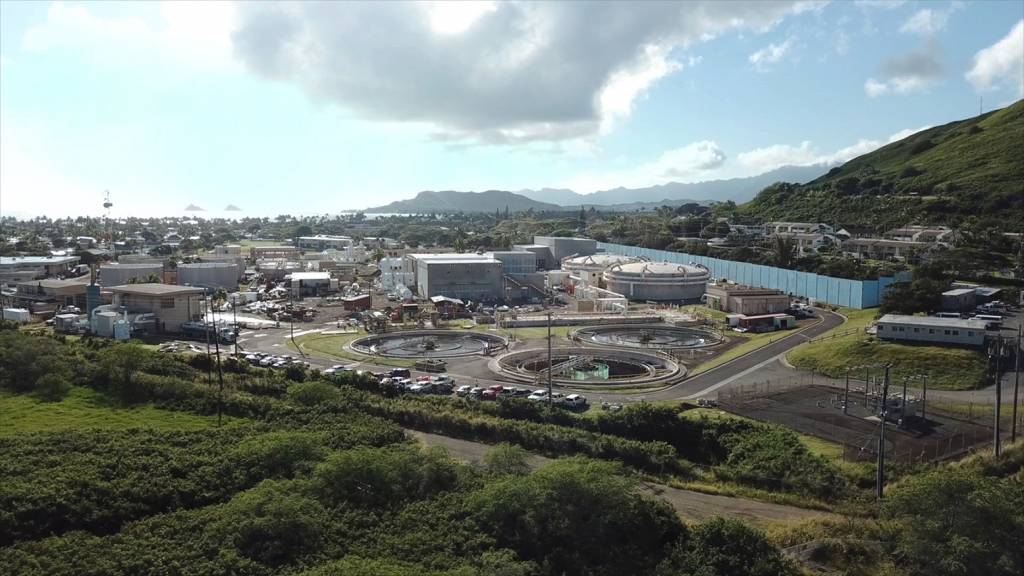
(837, 291)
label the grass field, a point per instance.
(948, 368)
(334, 346)
(85, 408)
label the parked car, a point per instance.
(463, 390)
(268, 361)
(538, 395)
(491, 393)
(475, 392)
(338, 369)
(575, 401)
(400, 373)
(421, 387)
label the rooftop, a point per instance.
(310, 276)
(958, 292)
(933, 321)
(154, 289)
(12, 260)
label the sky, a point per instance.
(315, 108)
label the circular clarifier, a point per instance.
(589, 366)
(428, 344)
(657, 337)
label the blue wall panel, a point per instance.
(837, 291)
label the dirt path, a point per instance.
(690, 505)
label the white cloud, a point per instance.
(771, 54)
(762, 160)
(693, 162)
(520, 72)
(875, 88)
(914, 71)
(926, 22)
(881, 4)
(189, 32)
(1001, 64)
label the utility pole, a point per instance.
(880, 479)
(550, 399)
(1016, 386)
(846, 395)
(924, 399)
(903, 407)
(234, 315)
(206, 328)
(996, 441)
(220, 379)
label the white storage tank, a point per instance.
(209, 275)
(657, 281)
(103, 323)
(17, 315)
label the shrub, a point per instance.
(52, 388)
(312, 393)
(384, 477)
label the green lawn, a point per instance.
(86, 408)
(334, 346)
(949, 368)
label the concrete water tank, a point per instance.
(657, 281)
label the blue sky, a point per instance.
(311, 108)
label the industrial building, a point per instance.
(739, 299)
(516, 262)
(120, 274)
(563, 247)
(15, 269)
(209, 275)
(392, 273)
(657, 281)
(322, 242)
(172, 305)
(958, 300)
(47, 295)
(541, 253)
(931, 329)
(310, 283)
(273, 252)
(464, 276)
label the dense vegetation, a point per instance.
(320, 479)
(942, 175)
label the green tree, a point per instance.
(957, 522)
(120, 363)
(721, 547)
(507, 459)
(783, 250)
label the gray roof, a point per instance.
(153, 289)
(933, 321)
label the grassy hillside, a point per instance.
(448, 201)
(941, 175)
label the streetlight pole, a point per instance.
(234, 316)
(903, 407)
(924, 399)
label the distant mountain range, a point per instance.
(619, 199)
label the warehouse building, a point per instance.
(959, 300)
(657, 281)
(310, 283)
(738, 299)
(15, 269)
(541, 253)
(931, 330)
(172, 305)
(120, 274)
(47, 295)
(209, 275)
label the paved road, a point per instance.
(689, 505)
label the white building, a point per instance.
(797, 228)
(15, 269)
(465, 276)
(209, 275)
(322, 242)
(931, 329)
(392, 273)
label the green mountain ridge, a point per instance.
(942, 175)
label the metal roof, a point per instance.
(154, 289)
(933, 321)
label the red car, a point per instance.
(491, 393)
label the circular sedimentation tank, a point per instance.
(428, 344)
(595, 262)
(657, 281)
(656, 337)
(587, 366)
